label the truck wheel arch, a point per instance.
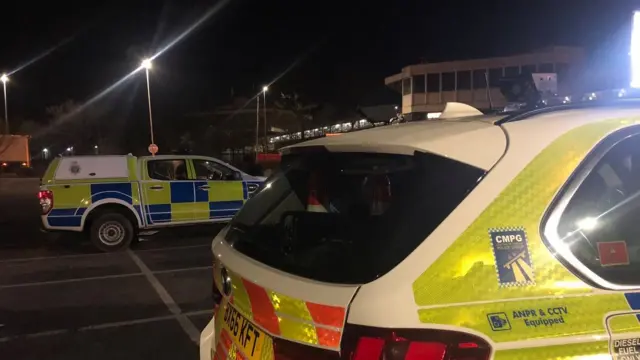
(114, 204)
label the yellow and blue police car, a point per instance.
(476, 237)
(112, 198)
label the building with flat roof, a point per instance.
(426, 88)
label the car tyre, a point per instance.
(112, 232)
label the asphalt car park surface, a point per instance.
(61, 299)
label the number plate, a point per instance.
(244, 334)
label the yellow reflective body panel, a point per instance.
(71, 196)
(132, 166)
(47, 178)
(461, 287)
(71, 200)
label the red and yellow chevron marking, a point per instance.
(287, 317)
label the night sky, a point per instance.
(343, 49)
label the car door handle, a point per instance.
(204, 187)
(156, 187)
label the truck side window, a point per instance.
(600, 224)
(167, 170)
(211, 170)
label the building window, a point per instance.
(512, 71)
(562, 69)
(545, 68)
(418, 84)
(464, 80)
(479, 79)
(406, 86)
(433, 83)
(599, 224)
(528, 69)
(494, 77)
(448, 81)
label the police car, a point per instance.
(113, 198)
(504, 236)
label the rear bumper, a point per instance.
(207, 341)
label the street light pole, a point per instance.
(147, 65)
(257, 122)
(264, 106)
(4, 78)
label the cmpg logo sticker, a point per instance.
(511, 252)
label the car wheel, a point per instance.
(112, 232)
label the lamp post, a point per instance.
(146, 64)
(257, 123)
(264, 106)
(4, 78)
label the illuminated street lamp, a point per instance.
(264, 105)
(146, 64)
(4, 78)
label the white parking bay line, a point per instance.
(183, 269)
(142, 321)
(64, 281)
(186, 324)
(34, 335)
(103, 326)
(71, 256)
(104, 277)
(179, 247)
(55, 257)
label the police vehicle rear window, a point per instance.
(348, 217)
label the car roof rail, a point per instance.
(631, 102)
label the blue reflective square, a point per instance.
(182, 192)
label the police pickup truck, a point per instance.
(113, 198)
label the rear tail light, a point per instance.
(367, 343)
(46, 201)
